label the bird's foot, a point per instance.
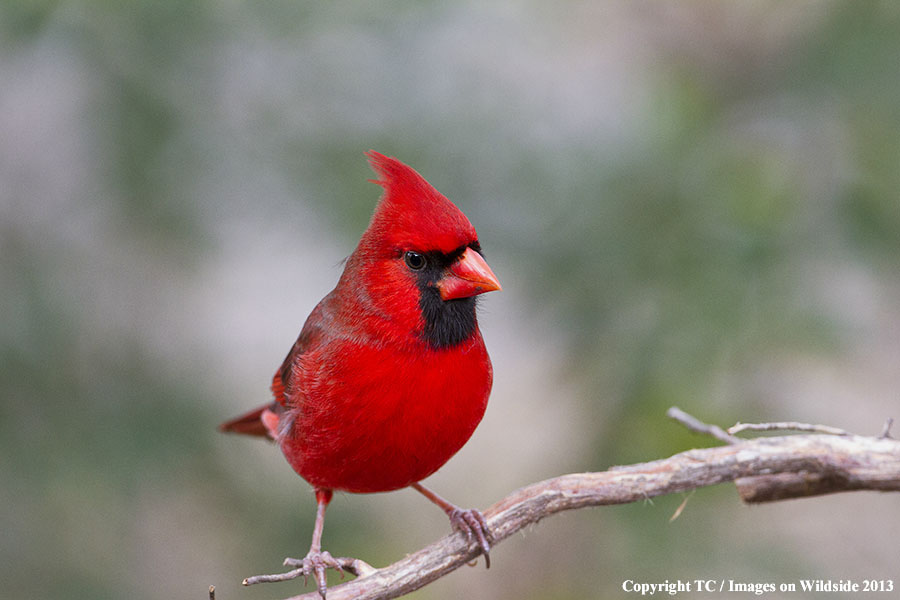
(473, 524)
(315, 564)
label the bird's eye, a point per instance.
(414, 260)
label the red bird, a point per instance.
(390, 375)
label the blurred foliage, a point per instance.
(681, 220)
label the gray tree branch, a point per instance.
(763, 469)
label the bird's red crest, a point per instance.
(412, 214)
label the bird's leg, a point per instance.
(468, 521)
(316, 560)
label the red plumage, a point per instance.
(389, 376)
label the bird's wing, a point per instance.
(264, 420)
(310, 336)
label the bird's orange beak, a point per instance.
(470, 275)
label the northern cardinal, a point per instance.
(390, 375)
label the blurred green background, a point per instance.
(689, 203)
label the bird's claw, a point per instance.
(313, 564)
(473, 524)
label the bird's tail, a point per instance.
(262, 422)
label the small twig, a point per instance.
(787, 426)
(275, 577)
(698, 426)
(681, 506)
(886, 431)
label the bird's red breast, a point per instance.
(389, 376)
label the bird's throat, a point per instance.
(447, 323)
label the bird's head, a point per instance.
(420, 259)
